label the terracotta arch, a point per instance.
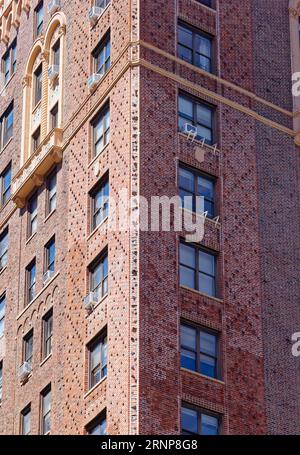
(41, 116)
(57, 23)
(58, 20)
(35, 51)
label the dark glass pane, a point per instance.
(26, 423)
(209, 208)
(51, 258)
(32, 274)
(188, 360)
(203, 62)
(204, 115)
(206, 263)
(189, 420)
(204, 133)
(47, 424)
(10, 120)
(185, 36)
(96, 376)
(186, 180)
(47, 403)
(208, 343)
(105, 286)
(203, 45)
(205, 187)
(209, 425)
(206, 2)
(96, 356)
(182, 122)
(185, 54)
(187, 256)
(99, 429)
(207, 284)
(6, 185)
(104, 352)
(188, 337)
(207, 366)
(185, 107)
(187, 277)
(187, 200)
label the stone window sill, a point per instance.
(94, 388)
(216, 299)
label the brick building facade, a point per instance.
(101, 96)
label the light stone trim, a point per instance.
(10, 15)
(134, 236)
(42, 50)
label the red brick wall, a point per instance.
(278, 194)
(238, 317)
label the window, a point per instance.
(98, 426)
(6, 185)
(39, 19)
(30, 281)
(198, 114)
(54, 116)
(200, 189)
(47, 334)
(7, 121)
(196, 421)
(36, 139)
(102, 3)
(199, 350)
(32, 214)
(195, 47)
(38, 80)
(1, 378)
(25, 420)
(2, 314)
(3, 248)
(100, 198)
(51, 192)
(9, 62)
(197, 269)
(99, 276)
(206, 2)
(101, 56)
(50, 256)
(101, 130)
(46, 411)
(28, 348)
(56, 53)
(97, 359)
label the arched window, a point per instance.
(43, 88)
(32, 94)
(54, 47)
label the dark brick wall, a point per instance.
(278, 167)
